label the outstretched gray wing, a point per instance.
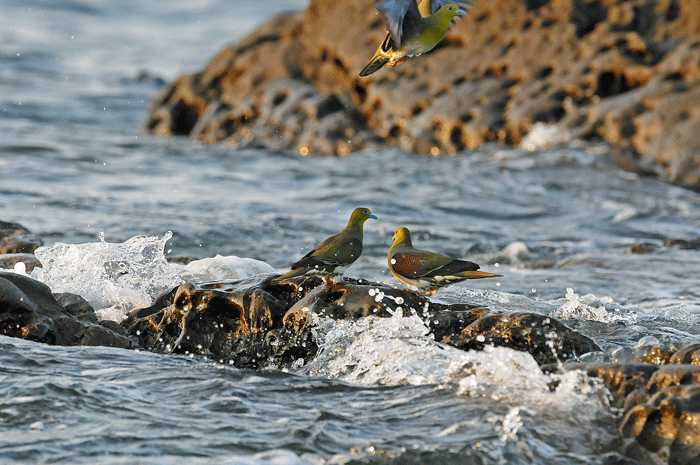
(394, 12)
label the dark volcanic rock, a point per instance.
(623, 71)
(254, 324)
(225, 324)
(28, 310)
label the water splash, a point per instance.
(399, 350)
(113, 277)
(590, 307)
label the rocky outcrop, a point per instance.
(626, 72)
(255, 323)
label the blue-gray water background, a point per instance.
(75, 81)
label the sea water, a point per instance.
(555, 217)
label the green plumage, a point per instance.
(428, 271)
(414, 29)
(334, 255)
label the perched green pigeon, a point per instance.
(428, 271)
(414, 26)
(334, 255)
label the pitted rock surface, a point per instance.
(626, 72)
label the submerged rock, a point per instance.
(533, 73)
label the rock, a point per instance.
(546, 339)
(661, 402)
(16, 239)
(689, 353)
(626, 72)
(621, 379)
(258, 322)
(229, 325)
(8, 261)
(28, 310)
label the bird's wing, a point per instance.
(311, 256)
(336, 250)
(435, 5)
(453, 268)
(415, 263)
(394, 13)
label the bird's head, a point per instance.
(360, 215)
(451, 10)
(402, 236)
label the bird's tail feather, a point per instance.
(374, 65)
(293, 273)
(480, 274)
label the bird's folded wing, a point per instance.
(312, 263)
(453, 268)
(417, 263)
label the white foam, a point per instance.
(543, 136)
(590, 307)
(399, 350)
(117, 277)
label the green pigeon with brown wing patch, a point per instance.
(334, 255)
(428, 271)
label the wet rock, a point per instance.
(546, 339)
(673, 423)
(622, 379)
(623, 71)
(259, 323)
(661, 404)
(672, 375)
(16, 239)
(226, 324)
(682, 244)
(8, 261)
(689, 353)
(28, 310)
